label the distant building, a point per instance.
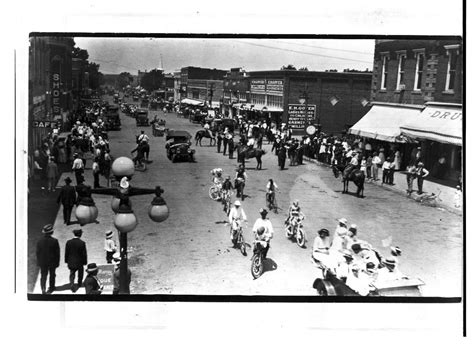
(236, 91)
(202, 84)
(177, 86)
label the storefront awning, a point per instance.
(192, 102)
(437, 122)
(268, 108)
(383, 121)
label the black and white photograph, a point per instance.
(295, 172)
(242, 166)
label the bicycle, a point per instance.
(238, 237)
(226, 195)
(294, 229)
(271, 202)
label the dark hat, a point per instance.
(68, 180)
(390, 261)
(109, 234)
(324, 231)
(77, 232)
(48, 229)
(396, 251)
(263, 211)
(91, 267)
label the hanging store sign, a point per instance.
(297, 117)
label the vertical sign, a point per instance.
(56, 96)
(106, 277)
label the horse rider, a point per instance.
(140, 149)
(207, 128)
(236, 216)
(352, 166)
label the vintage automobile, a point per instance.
(330, 285)
(141, 117)
(112, 117)
(144, 103)
(178, 144)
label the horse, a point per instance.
(356, 176)
(200, 134)
(244, 152)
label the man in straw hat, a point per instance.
(116, 261)
(109, 246)
(92, 283)
(75, 257)
(237, 213)
(263, 230)
(67, 197)
(47, 258)
(389, 271)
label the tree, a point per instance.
(152, 80)
(77, 52)
(288, 67)
(124, 79)
(304, 68)
(96, 78)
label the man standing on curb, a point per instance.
(47, 258)
(75, 257)
(67, 197)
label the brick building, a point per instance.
(422, 75)
(202, 84)
(334, 100)
(50, 85)
(236, 91)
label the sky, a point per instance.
(116, 55)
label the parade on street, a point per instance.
(264, 182)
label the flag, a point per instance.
(334, 100)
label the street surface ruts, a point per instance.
(191, 252)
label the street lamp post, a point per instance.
(125, 220)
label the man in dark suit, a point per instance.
(92, 283)
(75, 257)
(67, 197)
(82, 190)
(47, 257)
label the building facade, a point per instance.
(330, 100)
(236, 91)
(428, 74)
(51, 85)
(202, 84)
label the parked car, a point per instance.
(112, 117)
(178, 146)
(141, 117)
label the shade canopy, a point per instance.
(383, 121)
(437, 122)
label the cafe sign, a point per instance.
(297, 117)
(53, 124)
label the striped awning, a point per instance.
(437, 122)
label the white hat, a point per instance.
(237, 203)
(124, 183)
(343, 221)
(116, 257)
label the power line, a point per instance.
(304, 53)
(324, 48)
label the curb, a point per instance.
(391, 188)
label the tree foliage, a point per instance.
(152, 80)
(288, 67)
(124, 79)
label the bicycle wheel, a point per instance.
(257, 266)
(288, 230)
(214, 193)
(300, 237)
(243, 248)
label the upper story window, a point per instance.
(420, 58)
(402, 57)
(453, 54)
(383, 84)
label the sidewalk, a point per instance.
(446, 199)
(93, 234)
